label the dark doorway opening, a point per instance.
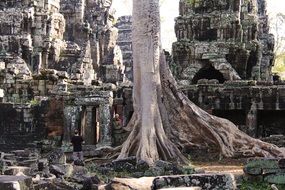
(238, 117)
(208, 72)
(252, 60)
(90, 127)
(270, 122)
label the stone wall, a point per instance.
(58, 57)
(223, 58)
(255, 107)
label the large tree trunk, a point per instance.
(147, 141)
(162, 112)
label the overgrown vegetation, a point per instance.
(34, 102)
(249, 185)
(279, 65)
(106, 174)
(277, 25)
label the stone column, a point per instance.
(105, 125)
(71, 121)
(251, 120)
(45, 59)
(89, 130)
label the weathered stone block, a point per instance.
(262, 166)
(204, 181)
(278, 179)
(13, 170)
(16, 182)
(182, 188)
(65, 170)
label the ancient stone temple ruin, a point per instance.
(223, 59)
(228, 40)
(64, 65)
(60, 69)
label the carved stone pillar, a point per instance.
(45, 59)
(251, 120)
(71, 121)
(105, 125)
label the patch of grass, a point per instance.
(246, 185)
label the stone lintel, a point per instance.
(103, 97)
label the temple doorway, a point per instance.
(90, 125)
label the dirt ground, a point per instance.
(225, 166)
(212, 162)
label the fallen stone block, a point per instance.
(16, 183)
(13, 170)
(21, 153)
(204, 181)
(57, 157)
(143, 183)
(278, 179)
(42, 164)
(263, 166)
(182, 188)
(65, 170)
(54, 185)
(29, 162)
(9, 156)
(91, 182)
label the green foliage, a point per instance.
(279, 65)
(188, 170)
(258, 185)
(34, 102)
(246, 185)
(191, 1)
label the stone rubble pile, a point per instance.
(25, 170)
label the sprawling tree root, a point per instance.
(150, 143)
(190, 125)
(164, 118)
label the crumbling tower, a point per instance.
(223, 40)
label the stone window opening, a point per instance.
(208, 72)
(253, 59)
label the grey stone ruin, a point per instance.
(60, 69)
(222, 60)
